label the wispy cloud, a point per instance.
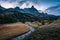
(39, 4)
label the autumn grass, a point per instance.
(10, 30)
(46, 32)
(35, 24)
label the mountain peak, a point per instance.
(0, 5)
(1, 8)
(32, 7)
(17, 8)
(31, 10)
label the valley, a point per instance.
(28, 24)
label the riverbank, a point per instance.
(10, 30)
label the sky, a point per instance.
(38, 4)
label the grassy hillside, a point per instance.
(46, 32)
(12, 30)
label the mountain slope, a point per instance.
(17, 15)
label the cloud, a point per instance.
(39, 4)
(12, 2)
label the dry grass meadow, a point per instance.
(35, 24)
(11, 30)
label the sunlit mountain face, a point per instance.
(38, 4)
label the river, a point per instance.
(21, 37)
